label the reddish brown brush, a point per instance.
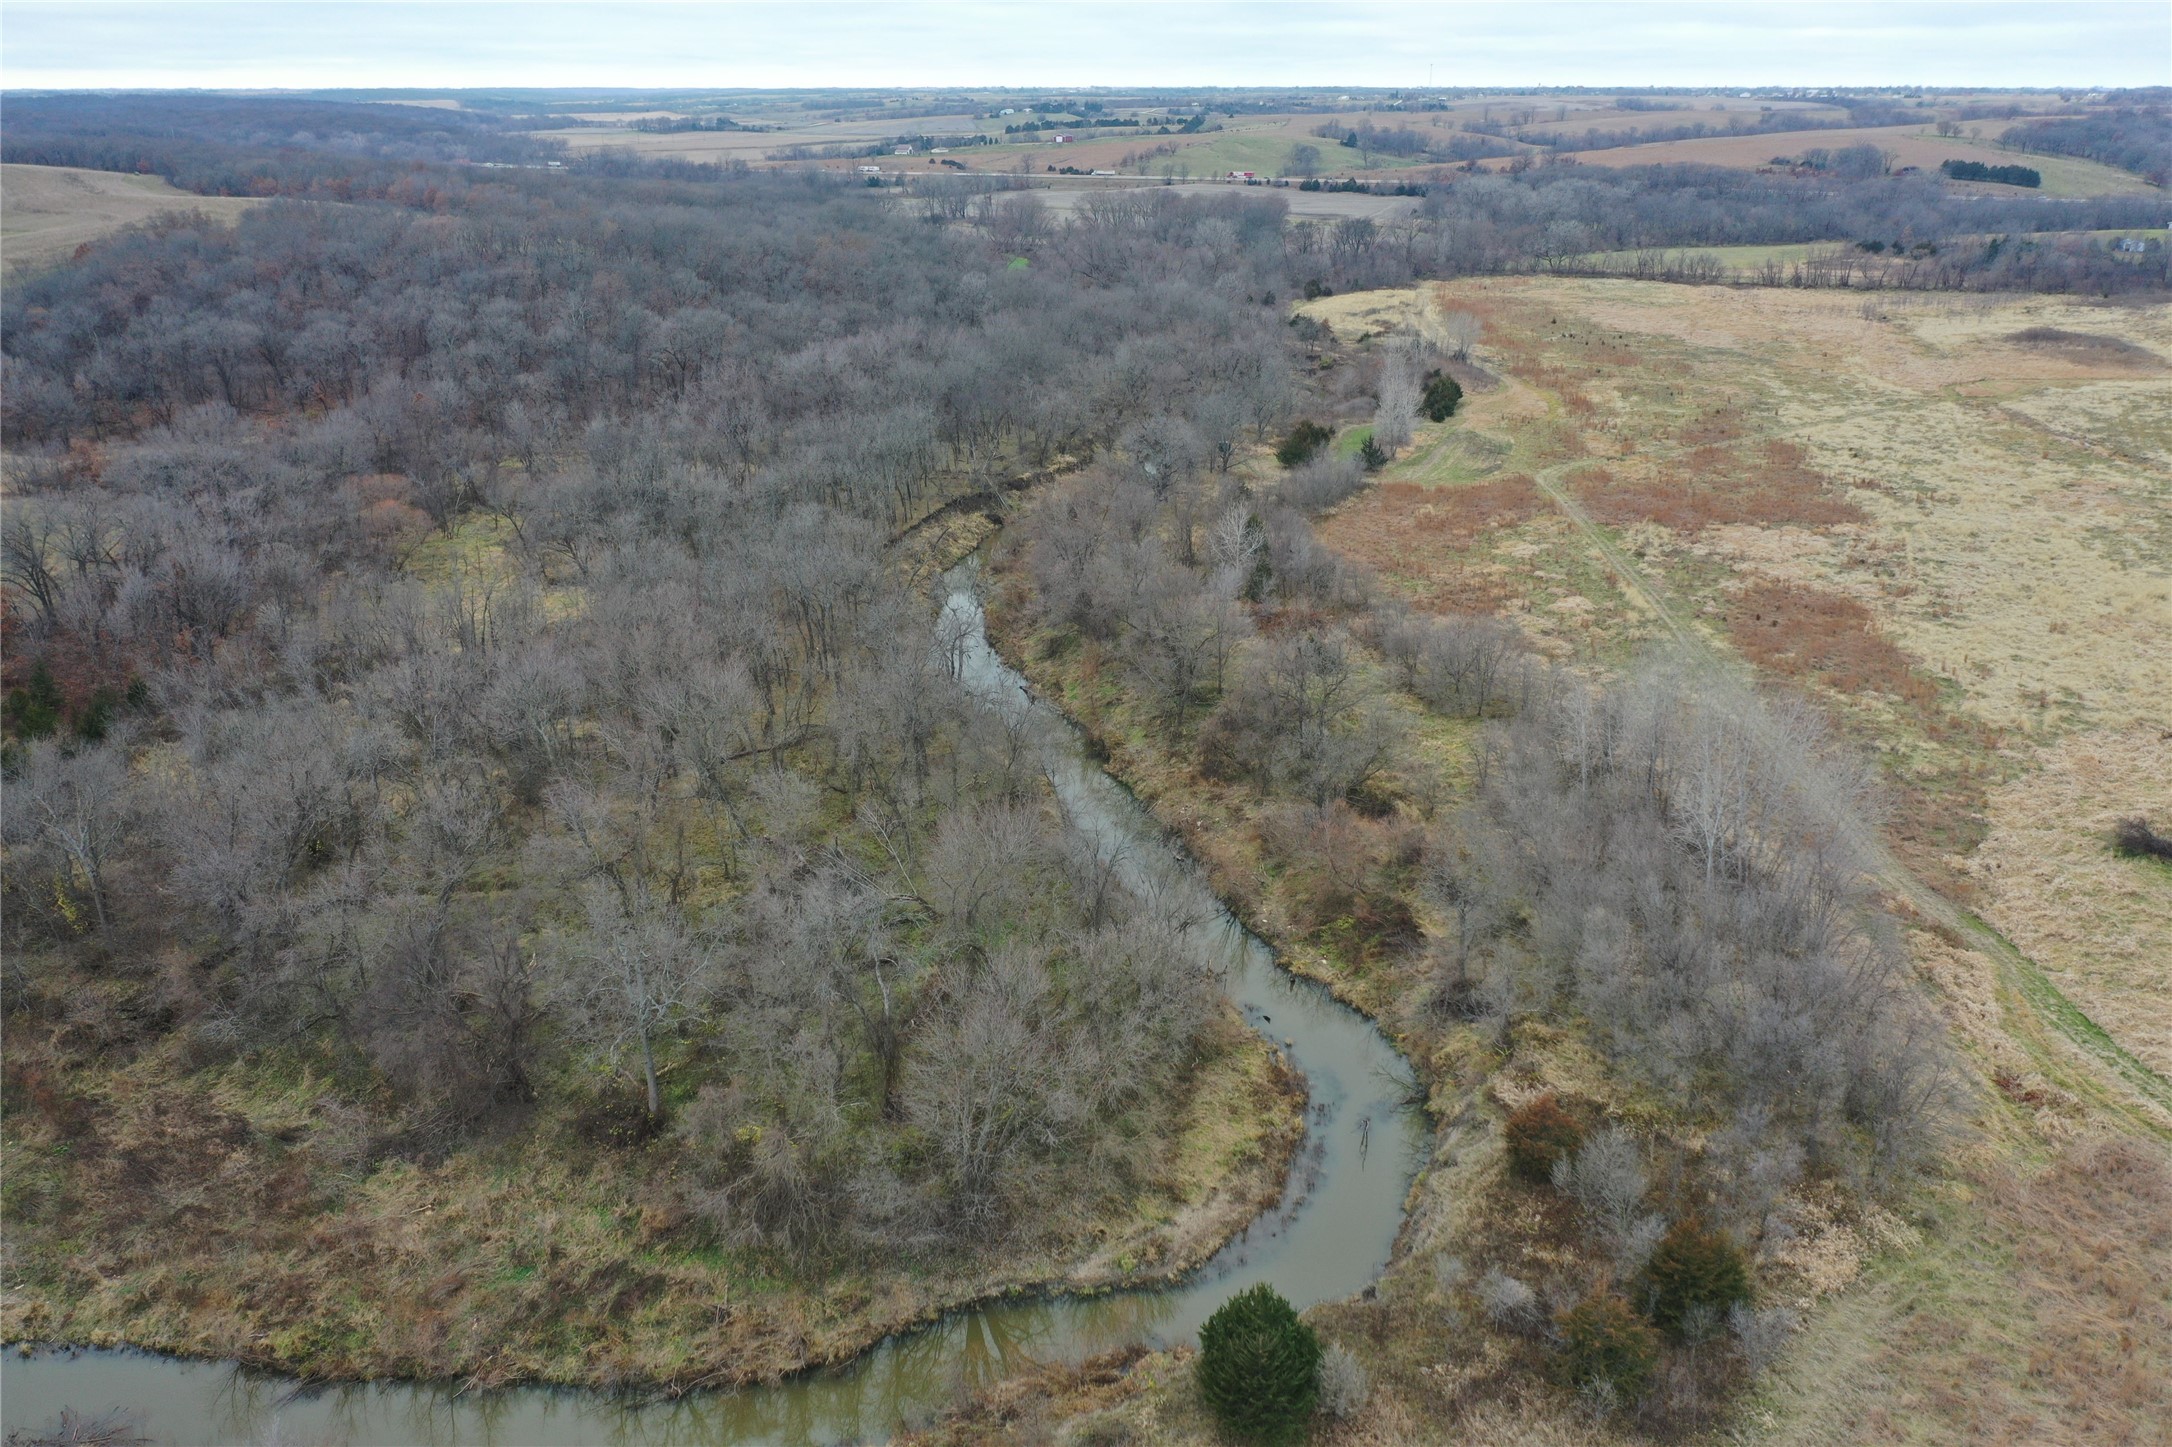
(1464, 590)
(1825, 637)
(1713, 486)
(2092, 1237)
(1412, 531)
(1460, 513)
(1832, 640)
(1721, 424)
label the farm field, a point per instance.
(46, 212)
(1241, 143)
(1688, 110)
(1261, 143)
(1910, 146)
(752, 145)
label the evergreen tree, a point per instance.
(1603, 1341)
(1258, 1367)
(1693, 1267)
(1304, 439)
(1443, 394)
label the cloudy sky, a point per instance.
(318, 43)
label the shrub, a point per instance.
(2137, 840)
(1604, 1341)
(1304, 439)
(1604, 1176)
(1695, 1274)
(1760, 1336)
(1259, 1367)
(1373, 455)
(1443, 394)
(1345, 1386)
(1320, 483)
(35, 709)
(1540, 1133)
(1510, 1304)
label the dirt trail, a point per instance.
(2019, 977)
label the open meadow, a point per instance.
(1946, 520)
(1912, 145)
(46, 212)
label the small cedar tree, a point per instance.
(1694, 1266)
(1540, 1133)
(1604, 1340)
(1302, 440)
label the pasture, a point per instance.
(1947, 517)
(46, 212)
(1909, 146)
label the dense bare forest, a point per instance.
(473, 650)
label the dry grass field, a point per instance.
(752, 146)
(1948, 519)
(2099, 924)
(1909, 146)
(1983, 479)
(46, 212)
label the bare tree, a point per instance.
(632, 975)
(80, 807)
(1460, 331)
(1397, 414)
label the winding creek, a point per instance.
(1329, 1236)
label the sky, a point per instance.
(1066, 43)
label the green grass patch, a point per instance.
(474, 545)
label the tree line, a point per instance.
(2132, 138)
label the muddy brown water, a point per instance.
(1329, 1236)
